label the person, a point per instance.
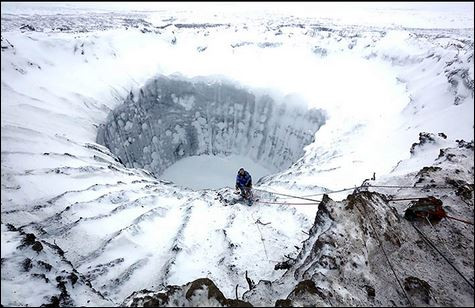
(244, 183)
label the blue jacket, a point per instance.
(244, 180)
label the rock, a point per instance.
(284, 265)
(306, 294)
(26, 264)
(150, 301)
(283, 303)
(306, 286)
(237, 303)
(213, 291)
(427, 170)
(63, 28)
(466, 145)
(42, 276)
(463, 189)
(29, 239)
(47, 266)
(64, 296)
(424, 138)
(54, 302)
(444, 153)
(37, 246)
(10, 227)
(418, 289)
(201, 292)
(370, 291)
(426, 174)
(328, 262)
(73, 277)
(363, 198)
(27, 27)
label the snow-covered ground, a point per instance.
(211, 171)
(369, 79)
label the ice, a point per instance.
(211, 171)
(222, 120)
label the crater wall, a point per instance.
(174, 118)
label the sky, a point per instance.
(392, 14)
(289, 7)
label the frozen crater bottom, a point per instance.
(212, 172)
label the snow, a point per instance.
(211, 172)
(415, 15)
(10, 240)
(380, 75)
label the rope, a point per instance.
(332, 192)
(387, 258)
(469, 204)
(258, 221)
(286, 203)
(405, 199)
(438, 238)
(335, 191)
(262, 238)
(324, 193)
(445, 258)
(286, 195)
(415, 187)
(371, 223)
(352, 188)
(458, 219)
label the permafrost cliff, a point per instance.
(173, 119)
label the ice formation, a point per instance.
(98, 102)
(173, 119)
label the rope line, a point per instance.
(262, 238)
(314, 201)
(286, 195)
(355, 187)
(415, 187)
(445, 258)
(387, 258)
(458, 219)
(407, 199)
(332, 192)
(258, 221)
(438, 238)
(286, 203)
(305, 197)
(323, 193)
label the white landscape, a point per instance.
(123, 126)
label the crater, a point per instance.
(198, 133)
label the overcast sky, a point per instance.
(409, 14)
(286, 6)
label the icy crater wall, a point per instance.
(174, 118)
